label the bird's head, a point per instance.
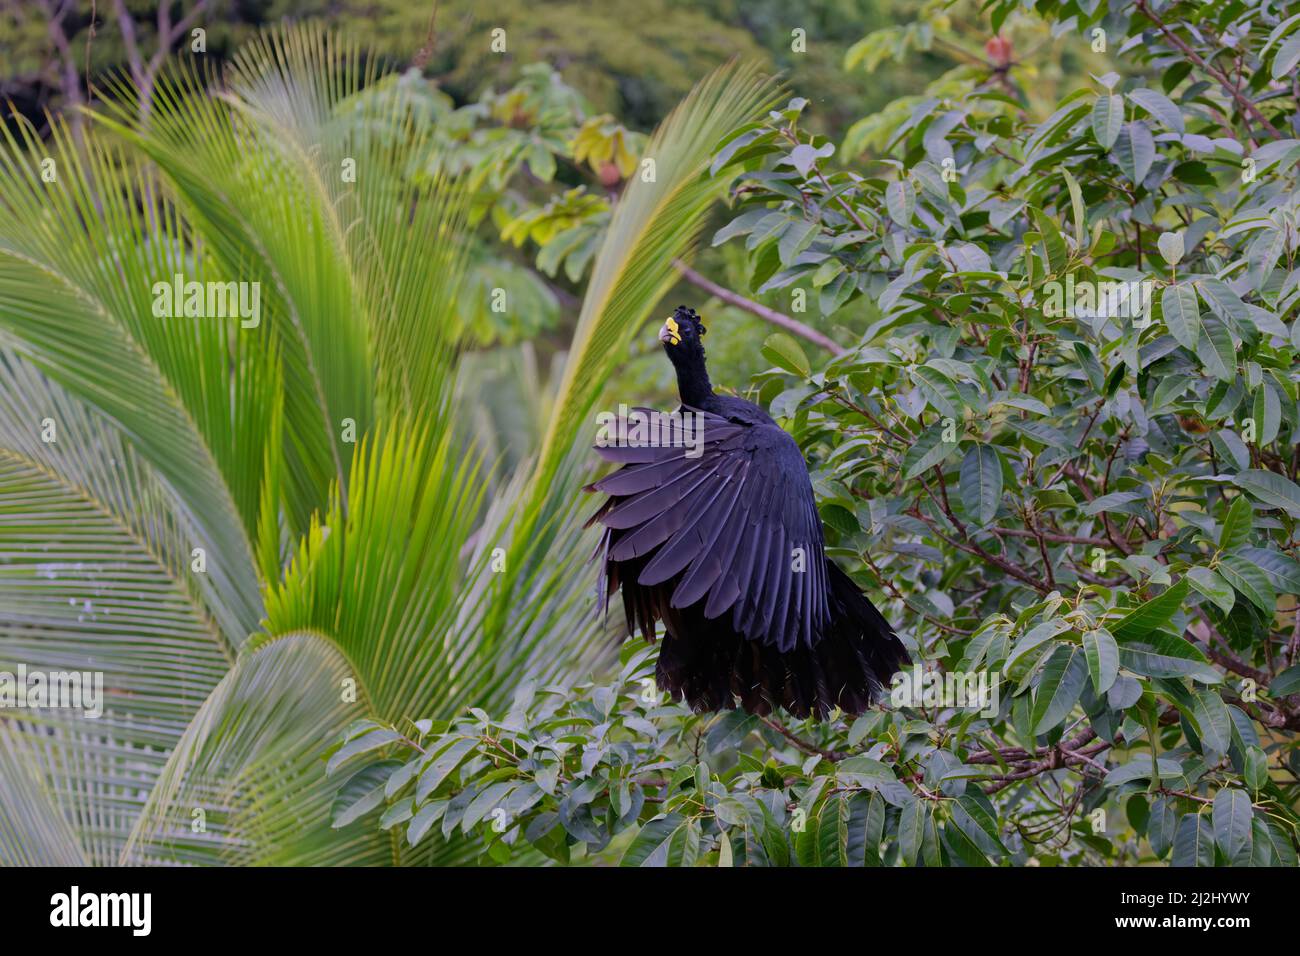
(681, 334)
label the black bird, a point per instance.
(721, 541)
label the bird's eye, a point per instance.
(702, 331)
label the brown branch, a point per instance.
(893, 589)
(779, 319)
(1226, 659)
(168, 34)
(126, 26)
(970, 546)
(1219, 76)
(54, 14)
(425, 53)
(799, 742)
(1065, 756)
(1052, 536)
(90, 36)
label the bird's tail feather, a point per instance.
(706, 663)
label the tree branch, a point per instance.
(799, 742)
(779, 319)
(1219, 76)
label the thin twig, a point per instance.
(779, 319)
(799, 742)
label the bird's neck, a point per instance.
(693, 384)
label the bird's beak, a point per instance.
(669, 334)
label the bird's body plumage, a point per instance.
(722, 542)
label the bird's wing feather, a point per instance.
(723, 528)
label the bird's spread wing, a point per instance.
(735, 526)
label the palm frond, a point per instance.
(245, 784)
(78, 262)
(383, 575)
(358, 259)
(95, 577)
(33, 830)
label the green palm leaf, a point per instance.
(95, 576)
(300, 178)
(245, 783)
(78, 260)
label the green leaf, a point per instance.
(1182, 312)
(1232, 825)
(1107, 119)
(1055, 253)
(1223, 302)
(371, 740)
(926, 452)
(1103, 658)
(1077, 209)
(821, 844)
(1267, 413)
(911, 831)
(863, 829)
(399, 812)
(1091, 367)
(362, 793)
(1161, 825)
(1286, 58)
(1135, 150)
(1281, 845)
(1283, 572)
(660, 842)
(1170, 245)
(962, 850)
(1213, 722)
(1060, 687)
(1236, 525)
(900, 200)
(1165, 655)
(1285, 683)
(1139, 768)
(1251, 582)
(446, 760)
(786, 354)
(795, 239)
(1193, 842)
(485, 801)
(1276, 491)
(973, 819)
(1113, 502)
(1035, 636)
(425, 817)
(1256, 769)
(1152, 616)
(981, 483)
(940, 390)
(1041, 432)
(840, 518)
(1213, 587)
(1216, 352)
(1159, 106)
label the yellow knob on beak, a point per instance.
(670, 333)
